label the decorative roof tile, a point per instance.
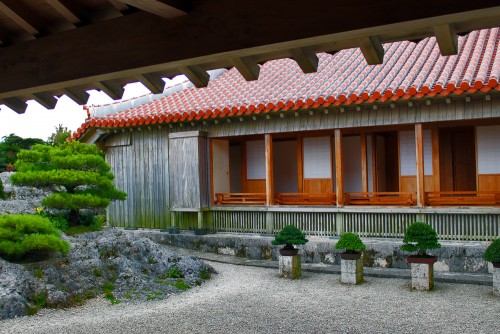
(409, 71)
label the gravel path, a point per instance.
(254, 300)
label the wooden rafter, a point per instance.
(65, 10)
(447, 39)
(21, 15)
(164, 8)
(372, 49)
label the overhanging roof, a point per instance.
(410, 72)
(55, 47)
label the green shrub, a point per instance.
(3, 195)
(289, 236)
(173, 272)
(25, 236)
(492, 253)
(350, 242)
(420, 237)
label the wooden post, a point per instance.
(419, 142)
(269, 170)
(435, 160)
(300, 165)
(364, 164)
(374, 164)
(339, 174)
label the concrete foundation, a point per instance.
(454, 256)
(290, 266)
(351, 271)
(496, 282)
(422, 276)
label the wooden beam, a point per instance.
(447, 39)
(79, 95)
(152, 81)
(372, 50)
(21, 15)
(118, 5)
(47, 100)
(163, 8)
(306, 59)
(339, 171)
(114, 91)
(364, 163)
(65, 11)
(15, 104)
(268, 139)
(198, 76)
(247, 67)
(419, 142)
(59, 60)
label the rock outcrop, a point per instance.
(21, 200)
(113, 263)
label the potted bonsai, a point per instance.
(289, 236)
(351, 265)
(492, 254)
(418, 238)
(289, 260)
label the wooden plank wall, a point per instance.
(189, 175)
(139, 161)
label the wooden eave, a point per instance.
(55, 47)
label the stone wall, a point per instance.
(452, 257)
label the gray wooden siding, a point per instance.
(301, 120)
(188, 170)
(141, 170)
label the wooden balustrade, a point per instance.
(306, 198)
(461, 198)
(241, 198)
(379, 198)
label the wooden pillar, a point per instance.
(269, 170)
(364, 163)
(419, 142)
(374, 164)
(436, 174)
(300, 165)
(339, 173)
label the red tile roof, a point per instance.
(409, 71)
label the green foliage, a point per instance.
(77, 172)
(10, 147)
(289, 236)
(350, 242)
(3, 195)
(492, 253)
(97, 272)
(204, 274)
(28, 235)
(38, 273)
(60, 136)
(39, 301)
(420, 237)
(173, 272)
(180, 285)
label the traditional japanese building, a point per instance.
(350, 147)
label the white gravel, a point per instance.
(254, 300)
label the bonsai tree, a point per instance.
(492, 253)
(23, 236)
(289, 236)
(79, 177)
(420, 237)
(350, 242)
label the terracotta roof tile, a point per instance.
(409, 71)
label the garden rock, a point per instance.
(20, 200)
(113, 263)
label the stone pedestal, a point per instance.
(496, 281)
(351, 271)
(422, 276)
(290, 266)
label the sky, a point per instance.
(38, 122)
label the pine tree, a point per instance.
(77, 173)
